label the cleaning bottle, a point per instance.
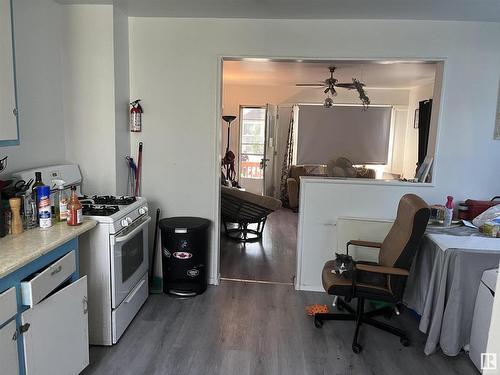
(75, 214)
(44, 209)
(448, 211)
(60, 200)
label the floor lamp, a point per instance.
(229, 157)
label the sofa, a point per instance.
(293, 181)
(340, 167)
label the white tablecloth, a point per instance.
(443, 284)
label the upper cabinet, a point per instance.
(9, 132)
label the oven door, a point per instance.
(129, 259)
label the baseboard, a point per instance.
(311, 288)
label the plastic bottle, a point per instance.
(448, 211)
(60, 201)
(44, 209)
(75, 215)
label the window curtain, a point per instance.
(288, 159)
(424, 122)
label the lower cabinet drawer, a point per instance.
(8, 305)
(124, 313)
(40, 286)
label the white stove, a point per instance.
(114, 255)
(121, 211)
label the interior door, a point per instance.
(8, 352)
(56, 341)
(268, 161)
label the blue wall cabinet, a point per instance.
(9, 132)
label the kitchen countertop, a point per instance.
(18, 250)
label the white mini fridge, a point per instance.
(482, 316)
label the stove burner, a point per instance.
(94, 210)
(110, 199)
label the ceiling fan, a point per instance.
(331, 83)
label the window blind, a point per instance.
(327, 133)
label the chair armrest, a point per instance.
(371, 244)
(382, 269)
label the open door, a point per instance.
(268, 161)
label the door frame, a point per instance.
(436, 120)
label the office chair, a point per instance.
(383, 281)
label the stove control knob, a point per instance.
(124, 223)
(143, 210)
(129, 220)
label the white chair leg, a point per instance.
(335, 298)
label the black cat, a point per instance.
(344, 265)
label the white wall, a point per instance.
(417, 94)
(96, 93)
(37, 37)
(122, 97)
(88, 77)
(174, 65)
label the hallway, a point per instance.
(272, 260)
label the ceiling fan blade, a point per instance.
(326, 90)
(349, 86)
(309, 84)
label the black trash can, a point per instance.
(184, 255)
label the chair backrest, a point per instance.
(401, 244)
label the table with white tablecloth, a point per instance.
(443, 283)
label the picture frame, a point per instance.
(415, 118)
(424, 169)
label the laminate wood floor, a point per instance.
(272, 259)
(247, 328)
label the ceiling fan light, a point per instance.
(328, 103)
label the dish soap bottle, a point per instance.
(448, 211)
(60, 201)
(75, 215)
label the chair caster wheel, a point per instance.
(404, 341)
(318, 323)
(356, 348)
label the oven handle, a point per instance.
(134, 232)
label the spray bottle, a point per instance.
(448, 211)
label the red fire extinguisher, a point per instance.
(136, 116)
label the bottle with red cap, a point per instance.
(448, 211)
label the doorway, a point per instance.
(257, 149)
(253, 140)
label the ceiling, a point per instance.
(458, 10)
(383, 74)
